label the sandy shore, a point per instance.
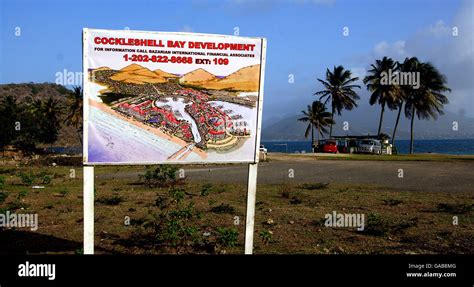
(157, 132)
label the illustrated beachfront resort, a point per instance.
(199, 119)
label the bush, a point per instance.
(227, 236)
(455, 208)
(266, 236)
(160, 176)
(206, 189)
(223, 208)
(114, 200)
(3, 196)
(376, 225)
(22, 194)
(173, 225)
(2, 182)
(27, 178)
(314, 186)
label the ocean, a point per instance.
(451, 146)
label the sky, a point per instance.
(305, 37)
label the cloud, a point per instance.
(395, 50)
(186, 28)
(436, 43)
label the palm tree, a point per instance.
(339, 89)
(317, 116)
(51, 113)
(74, 117)
(410, 65)
(428, 100)
(382, 92)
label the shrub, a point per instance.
(114, 200)
(223, 208)
(227, 236)
(296, 200)
(314, 186)
(455, 208)
(160, 176)
(206, 189)
(3, 196)
(376, 225)
(173, 226)
(63, 192)
(22, 194)
(2, 182)
(27, 178)
(266, 236)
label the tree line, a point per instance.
(423, 100)
(29, 123)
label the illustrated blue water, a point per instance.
(450, 146)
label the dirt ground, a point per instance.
(413, 214)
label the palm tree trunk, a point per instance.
(396, 123)
(381, 119)
(312, 137)
(332, 121)
(411, 131)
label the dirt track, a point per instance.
(417, 176)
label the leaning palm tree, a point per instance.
(317, 116)
(410, 65)
(428, 100)
(383, 91)
(339, 89)
(74, 116)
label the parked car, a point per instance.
(329, 147)
(370, 146)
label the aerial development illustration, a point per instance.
(153, 115)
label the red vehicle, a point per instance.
(329, 147)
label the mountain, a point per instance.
(164, 74)
(136, 74)
(197, 77)
(289, 128)
(245, 79)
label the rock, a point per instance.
(292, 222)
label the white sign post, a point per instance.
(88, 210)
(171, 98)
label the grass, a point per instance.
(399, 222)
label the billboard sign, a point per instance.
(152, 97)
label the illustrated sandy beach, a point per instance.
(155, 131)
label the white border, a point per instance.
(85, 88)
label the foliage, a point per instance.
(28, 123)
(159, 176)
(227, 236)
(2, 182)
(316, 116)
(314, 186)
(223, 208)
(266, 236)
(27, 178)
(339, 90)
(174, 223)
(113, 200)
(206, 189)
(3, 196)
